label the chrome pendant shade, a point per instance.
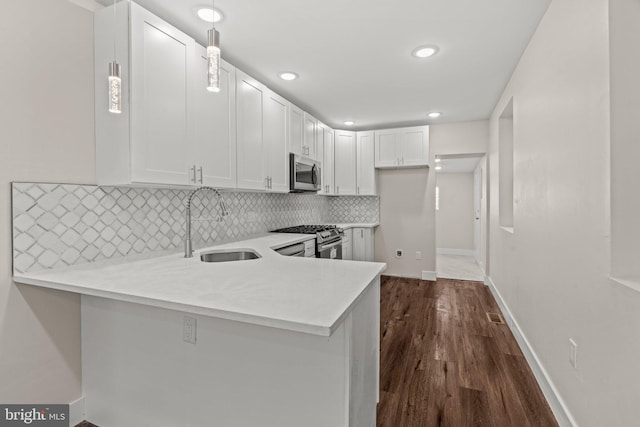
(213, 60)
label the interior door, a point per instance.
(477, 203)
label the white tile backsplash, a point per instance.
(57, 225)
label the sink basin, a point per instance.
(229, 255)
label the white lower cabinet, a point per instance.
(347, 245)
(362, 242)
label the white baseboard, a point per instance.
(559, 408)
(76, 412)
(450, 251)
(429, 275)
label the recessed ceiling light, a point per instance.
(425, 51)
(209, 15)
(438, 168)
(438, 159)
(288, 75)
(434, 115)
(349, 123)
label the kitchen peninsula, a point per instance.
(278, 341)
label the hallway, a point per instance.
(443, 363)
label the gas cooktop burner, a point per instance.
(306, 229)
(324, 233)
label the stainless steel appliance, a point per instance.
(304, 174)
(302, 249)
(328, 238)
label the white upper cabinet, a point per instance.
(345, 162)
(309, 148)
(296, 130)
(365, 170)
(403, 147)
(249, 104)
(170, 131)
(161, 66)
(275, 133)
(262, 135)
(213, 154)
(324, 153)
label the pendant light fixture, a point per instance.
(115, 83)
(213, 57)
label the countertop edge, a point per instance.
(204, 311)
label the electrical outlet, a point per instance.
(398, 253)
(418, 254)
(189, 330)
(573, 353)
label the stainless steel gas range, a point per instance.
(328, 238)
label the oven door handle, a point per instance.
(330, 245)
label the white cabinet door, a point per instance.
(365, 169)
(310, 124)
(347, 245)
(415, 146)
(362, 244)
(402, 147)
(249, 104)
(275, 131)
(162, 61)
(386, 148)
(213, 151)
(325, 152)
(296, 130)
(345, 162)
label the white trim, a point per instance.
(429, 275)
(450, 251)
(76, 412)
(559, 408)
(90, 5)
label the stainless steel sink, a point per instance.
(229, 255)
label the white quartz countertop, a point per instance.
(299, 294)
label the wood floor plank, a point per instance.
(443, 363)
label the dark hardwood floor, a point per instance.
(444, 363)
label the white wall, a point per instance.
(407, 201)
(454, 219)
(46, 129)
(552, 271)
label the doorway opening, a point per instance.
(461, 216)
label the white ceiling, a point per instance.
(354, 56)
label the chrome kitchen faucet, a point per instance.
(222, 207)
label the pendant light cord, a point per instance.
(213, 14)
(115, 30)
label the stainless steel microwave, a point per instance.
(304, 174)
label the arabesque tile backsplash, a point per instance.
(58, 225)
